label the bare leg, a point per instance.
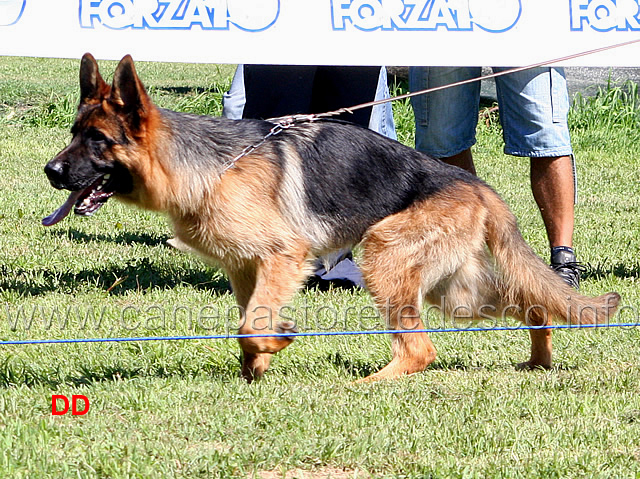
(462, 160)
(553, 189)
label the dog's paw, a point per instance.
(531, 366)
(254, 366)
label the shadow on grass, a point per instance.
(138, 274)
(116, 279)
(619, 270)
(124, 237)
(184, 90)
(100, 374)
(359, 368)
(12, 375)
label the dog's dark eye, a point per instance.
(95, 135)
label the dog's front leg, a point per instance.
(275, 281)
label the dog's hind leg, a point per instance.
(262, 289)
(395, 286)
(541, 342)
(414, 254)
(394, 267)
(541, 350)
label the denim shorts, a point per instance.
(533, 105)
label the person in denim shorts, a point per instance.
(533, 104)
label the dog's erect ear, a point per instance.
(92, 86)
(127, 91)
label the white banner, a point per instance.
(333, 32)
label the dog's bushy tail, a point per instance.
(531, 284)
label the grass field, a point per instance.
(179, 409)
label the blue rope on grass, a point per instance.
(312, 334)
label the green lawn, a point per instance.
(179, 409)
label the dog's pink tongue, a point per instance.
(63, 211)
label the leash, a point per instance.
(284, 122)
(300, 118)
(277, 128)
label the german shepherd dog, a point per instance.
(428, 230)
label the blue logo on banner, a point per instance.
(605, 15)
(453, 15)
(249, 15)
(11, 11)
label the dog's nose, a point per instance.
(55, 172)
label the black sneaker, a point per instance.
(566, 265)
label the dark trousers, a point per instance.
(280, 90)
